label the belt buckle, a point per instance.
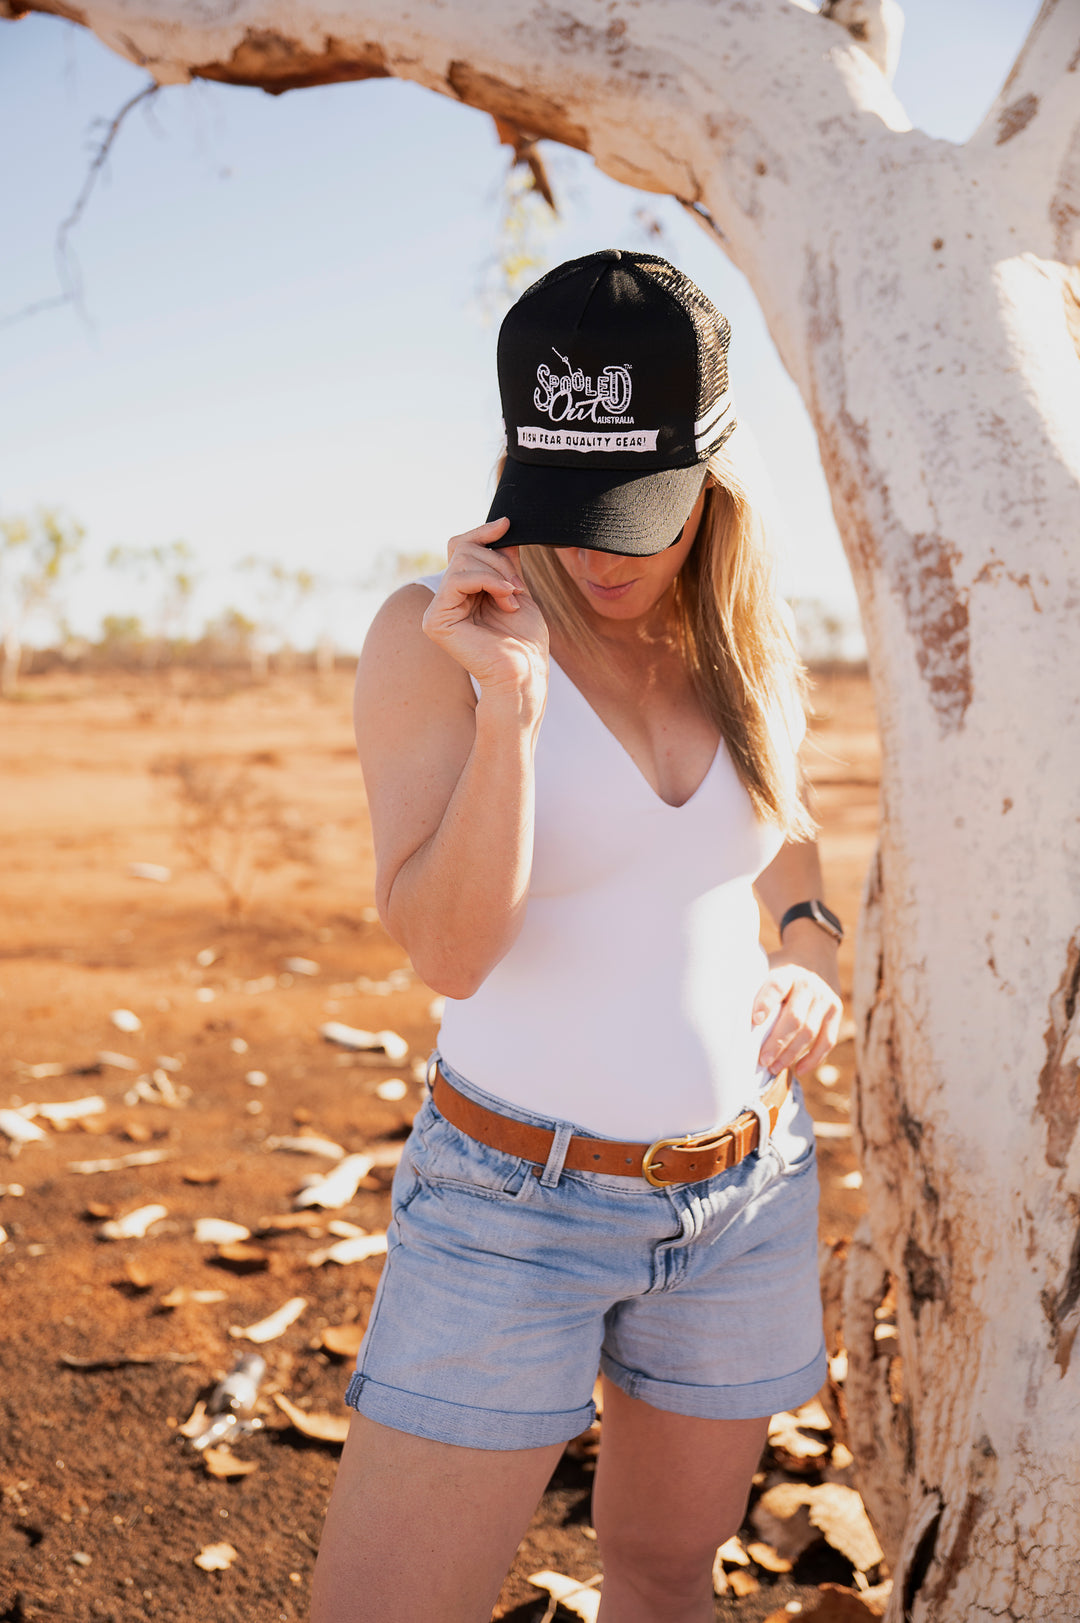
(700, 1141)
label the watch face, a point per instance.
(827, 919)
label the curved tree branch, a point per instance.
(1030, 138)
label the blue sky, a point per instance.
(289, 330)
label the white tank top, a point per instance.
(624, 1004)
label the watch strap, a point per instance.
(821, 915)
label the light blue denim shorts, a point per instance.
(503, 1292)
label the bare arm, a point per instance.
(803, 983)
(449, 777)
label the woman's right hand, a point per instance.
(485, 619)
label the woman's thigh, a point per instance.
(419, 1530)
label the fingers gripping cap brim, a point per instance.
(603, 509)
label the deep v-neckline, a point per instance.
(625, 753)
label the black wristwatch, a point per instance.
(822, 916)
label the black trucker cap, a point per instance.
(613, 376)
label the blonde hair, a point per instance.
(735, 639)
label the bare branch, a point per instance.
(67, 266)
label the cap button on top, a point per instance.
(609, 253)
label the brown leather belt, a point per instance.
(679, 1160)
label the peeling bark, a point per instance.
(276, 64)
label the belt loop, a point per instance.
(553, 1166)
(761, 1111)
(432, 1070)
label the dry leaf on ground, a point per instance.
(75, 1110)
(275, 1325)
(781, 1518)
(733, 1553)
(788, 1514)
(580, 1598)
(326, 1428)
(181, 1295)
(216, 1557)
(840, 1605)
(221, 1462)
(219, 1231)
(356, 1249)
(766, 1557)
(335, 1188)
(742, 1582)
(119, 1163)
(343, 1340)
(133, 1225)
(786, 1433)
(841, 1516)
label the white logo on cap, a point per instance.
(572, 397)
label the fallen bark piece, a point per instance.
(343, 1340)
(579, 1598)
(335, 1188)
(307, 1144)
(133, 1225)
(38, 1073)
(357, 1249)
(3, 1236)
(195, 1424)
(181, 1295)
(781, 1518)
(136, 1275)
(117, 1163)
(19, 1129)
(119, 1062)
(840, 1514)
(219, 1231)
(325, 1428)
(244, 1258)
(391, 1043)
(786, 1433)
(275, 1325)
(832, 1129)
(840, 1605)
(73, 1110)
(764, 1556)
(216, 1557)
(222, 1462)
(300, 966)
(343, 1230)
(719, 1576)
(733, 1553)
(386, 1155)
(158, 1089)
(812, 1414)
(13, 1189)
(392, 1089)
(201, 1175)
(156, 872)
(123, 1360)
(284, 1221)
(125, 1020)
(742, 1582)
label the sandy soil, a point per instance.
(105, 1506)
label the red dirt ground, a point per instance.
(104, 1505)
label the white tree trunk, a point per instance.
(926, 300)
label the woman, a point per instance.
(579, 750)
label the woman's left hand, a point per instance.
(807, 1016)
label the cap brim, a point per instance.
(603, 509)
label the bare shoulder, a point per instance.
(400, 666)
